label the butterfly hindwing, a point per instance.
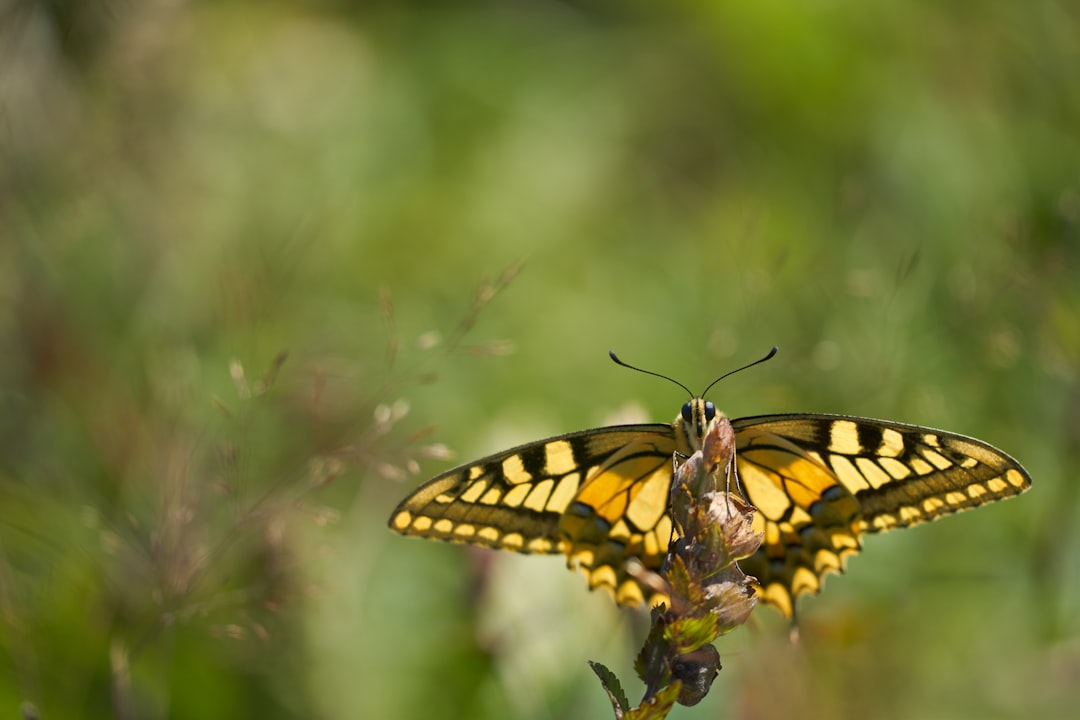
(621, 512)
(820, 481)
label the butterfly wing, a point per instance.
(599, 496)
(820, 481)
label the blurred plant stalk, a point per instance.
(707, 594)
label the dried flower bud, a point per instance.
(696, 670)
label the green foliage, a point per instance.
(613, 688)
(658, 706)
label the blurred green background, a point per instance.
(190, 527)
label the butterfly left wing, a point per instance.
(820, 481)
(599, 496)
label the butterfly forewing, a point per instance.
(818, 482)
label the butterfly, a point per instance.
(818, 482)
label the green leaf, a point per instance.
(658, 706)
(612, 687)
(686, 634)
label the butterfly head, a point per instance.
(698, 415)
(694, 422)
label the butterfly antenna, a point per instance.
(650, 372)
(769, 356)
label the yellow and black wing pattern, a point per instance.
(818, 482)
(598, 496)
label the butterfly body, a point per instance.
(818, 482)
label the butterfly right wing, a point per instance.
(819, 482)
